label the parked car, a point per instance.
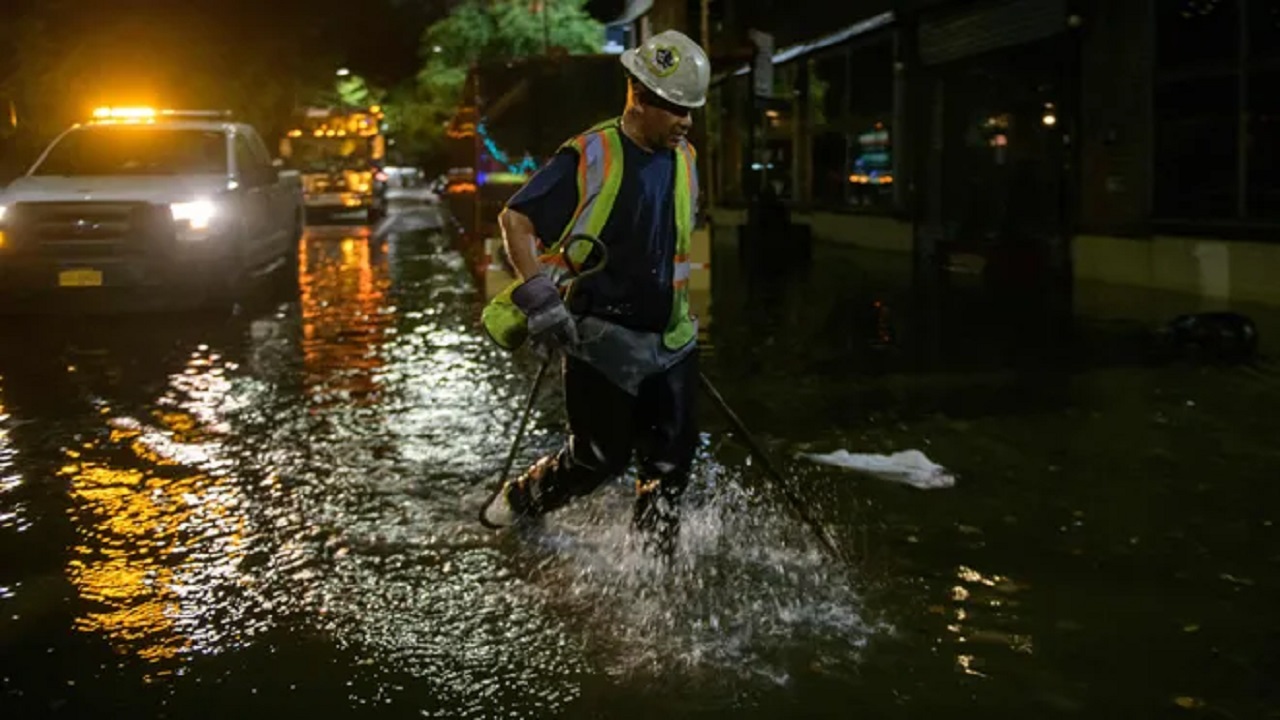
(170, 205)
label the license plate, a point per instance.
(81, 277)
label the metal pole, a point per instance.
(477, 212)
(706, 26)
(796, 504)
(710, 153)
(1242, 115)
(515, 439)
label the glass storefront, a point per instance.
(851, 105)
(1217, 120)
(1263, 112)
(774, 164)
(870, 160)
(828, 101)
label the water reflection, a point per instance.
(377, 545)
(981, 606)
(10, 508)
(326, 487)
(161, 523)
(344, 315)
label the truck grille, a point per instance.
(314, 184)
(89, 229)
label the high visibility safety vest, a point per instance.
(600, 156)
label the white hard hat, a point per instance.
(673, 66)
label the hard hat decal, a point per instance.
(665, 60)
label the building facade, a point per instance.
(1132, 142)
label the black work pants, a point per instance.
(607, 426)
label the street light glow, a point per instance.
(343, 72)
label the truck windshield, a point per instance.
(330, 154)
(136, 151)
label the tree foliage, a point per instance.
(507, 29)
(355, 91)
(485, 30)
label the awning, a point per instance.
(799, 50)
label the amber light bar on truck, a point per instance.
(148, 114)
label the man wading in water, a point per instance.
(629, 341)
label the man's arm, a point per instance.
(521, 242)
(539, 210)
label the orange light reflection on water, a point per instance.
(159, 530)
(344, 282)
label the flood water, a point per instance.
(274, 514)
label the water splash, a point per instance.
(747, 597)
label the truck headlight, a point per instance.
(196, 213)
(2, 213)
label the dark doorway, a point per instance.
(995, 184)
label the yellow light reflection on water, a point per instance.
(981, 606)
(968, 665)
(344, 318)
(9, 477)
(157, 531)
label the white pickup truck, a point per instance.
(165, 204)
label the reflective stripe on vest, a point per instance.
(680, 328)
(599, 178)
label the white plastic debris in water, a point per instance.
(909, 466)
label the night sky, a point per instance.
(376, 37)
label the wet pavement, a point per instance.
(275, 513)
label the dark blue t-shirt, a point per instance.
(634, 289)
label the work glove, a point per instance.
(551, 327)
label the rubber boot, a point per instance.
(657, 518)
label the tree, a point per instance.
(504, 30)
(492, 30)
(415, 122)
